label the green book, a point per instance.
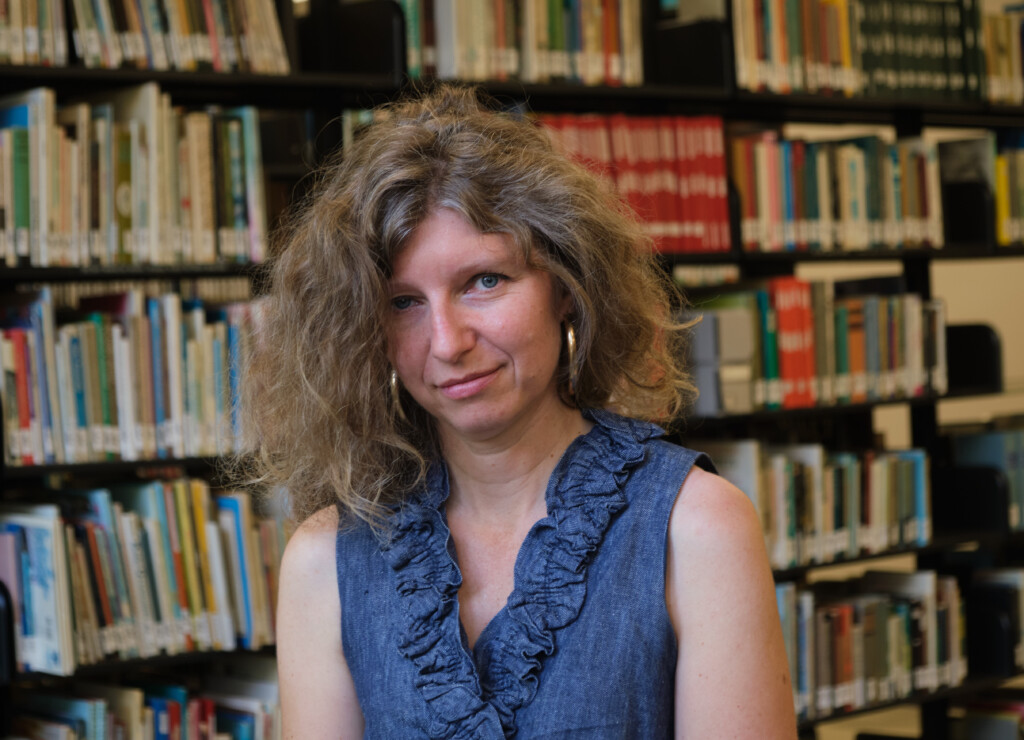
(769, 350)
(22, 193)
(842, 387)
(102, 368)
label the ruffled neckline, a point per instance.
(478, 695)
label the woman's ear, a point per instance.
(566, 305)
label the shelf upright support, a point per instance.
(924, 421)
(935, 719)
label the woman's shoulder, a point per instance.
(312, 540)
(712, 515)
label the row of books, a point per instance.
(793, 343)
(850, 194)
(872, 640)
(821, 507)
(998, 24)
(120, 376)
(906, 48)
(594, 42)
(136, 570)
(670, 169)
(216, 35)
(1003, 450)
(127, 178)
(238, 701)
(34, 33)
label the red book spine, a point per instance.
(781, 292)
(684, 164)
(721, 183)
(20, 343)
(809, 353)
(697, 172)
(97, 569)
(668, 185)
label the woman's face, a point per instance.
(473, 332)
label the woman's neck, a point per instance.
(502, 482)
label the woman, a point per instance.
(487, 549)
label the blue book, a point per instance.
(147, 499)
(77, 373)
(102, 513)
(240, 725)
(788, 195)
(89, 714)
(238, 538)
(161, 717)
(812, 210)
(922, 494)
(156, 340)
(24, 572)
(235, 378)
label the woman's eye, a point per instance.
(489, 281)
(402, 302)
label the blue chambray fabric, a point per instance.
(583, 648)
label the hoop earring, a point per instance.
(396, 399)
(570, 351)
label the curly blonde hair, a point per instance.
(316, 403)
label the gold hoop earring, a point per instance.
(570, 351)
(396, 399)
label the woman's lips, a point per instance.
(467, 385)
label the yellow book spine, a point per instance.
(1003, 238)
(200, 507)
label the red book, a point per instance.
(19, 340)
(628, 169)
(787, 297)
(810, 361)
(720, 186)
(612, 48)
(92, 546)
(687, 206)
(798, 152)
(699, 183)
(595, 145)
(644, 130)
(668, 186)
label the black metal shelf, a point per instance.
(939, 543)
(342, 90)
(114, 666)
(971, 685)
(110, 468)
(11, 275)
(951, 252)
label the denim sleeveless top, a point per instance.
(583, 648)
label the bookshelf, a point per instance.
(709, 90)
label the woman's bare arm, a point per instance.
(732, 677)
(318, 698)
